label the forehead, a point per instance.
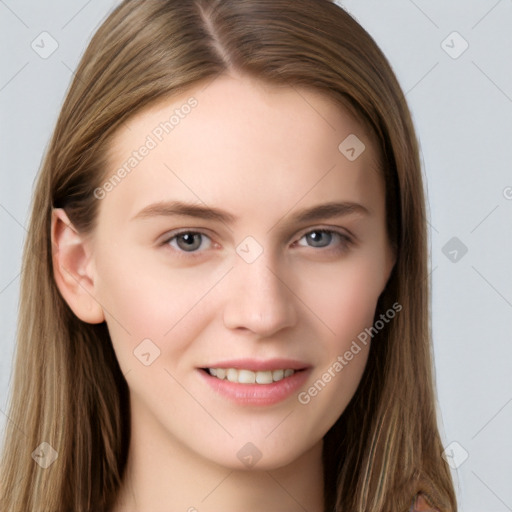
(241, 135)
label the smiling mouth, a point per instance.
(241, 376)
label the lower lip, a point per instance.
(257, 394)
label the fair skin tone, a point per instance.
(290, 297)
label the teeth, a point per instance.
(277, 375)
(264, 377)
(250, 377)
(232, 375)
(246, 377)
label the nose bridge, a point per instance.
(257, 298)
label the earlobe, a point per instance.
(71, 269)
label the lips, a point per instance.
(253, 382)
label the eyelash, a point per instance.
(344, 240)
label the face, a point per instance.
(236, 259)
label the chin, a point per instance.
(250, 457)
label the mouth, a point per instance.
(250, 382)
(246, 376)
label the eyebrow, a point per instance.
(179, 208)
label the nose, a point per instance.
(258, 299)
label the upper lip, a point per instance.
(260, 365)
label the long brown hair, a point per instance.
(68, 389)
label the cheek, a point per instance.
(345, 300)
(344, 296)
(156, 303)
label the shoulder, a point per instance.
(421, 503)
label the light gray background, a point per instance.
(462, 108)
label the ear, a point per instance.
(72, 269)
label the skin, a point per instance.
(262, 153)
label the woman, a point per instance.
(225, 295)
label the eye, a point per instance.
(195, 241)
(323, 238)
(189, 241)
